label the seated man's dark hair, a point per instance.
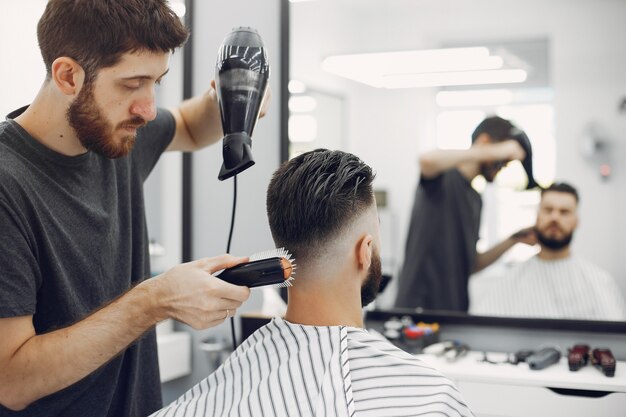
(562, 187)
(312, 197)
(498, 128)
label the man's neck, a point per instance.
(547, 254)
(323, 306)
(469, 170)
(45, 120)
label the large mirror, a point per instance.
(555, 68)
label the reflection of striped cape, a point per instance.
(570, 288)
(286, 369)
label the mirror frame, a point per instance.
(442, 317)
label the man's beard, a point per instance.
(552, 243)
(93, 130)
(371, 285)
(490, 170)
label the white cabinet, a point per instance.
(506, 390)
(174, 350)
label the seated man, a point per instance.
(318, 360)
(554, 283)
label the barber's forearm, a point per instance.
(483, 260)
(436, 162)
(50, 362)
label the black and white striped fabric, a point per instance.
(570, 288)
(286, 369)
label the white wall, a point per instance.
(22, 71)
(588, 63)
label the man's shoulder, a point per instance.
(413, 384)
(376, 349)
(591, 268)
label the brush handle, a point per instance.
(256, 273)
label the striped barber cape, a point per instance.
(286, 369)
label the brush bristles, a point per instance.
(272, 253)
(278, 253)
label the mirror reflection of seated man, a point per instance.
(440, 250)
(319, 360)
(554, 283)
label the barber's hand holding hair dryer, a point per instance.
(242, 74)
(516, 148)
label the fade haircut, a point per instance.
(96, 33)
(314, 196)
(498, 128)
(562, 187)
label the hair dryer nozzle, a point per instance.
(237, 155)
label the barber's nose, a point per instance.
(145, 108)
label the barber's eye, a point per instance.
(133, 84)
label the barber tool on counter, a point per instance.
(410, 336)
(543, 358)
(602, 358)
(577, 357)
(449, 349)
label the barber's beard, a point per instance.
(371, 285)
(552, 243)
(94, 131)
(490, 170)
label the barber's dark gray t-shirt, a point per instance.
(441, 244)
(73, 238)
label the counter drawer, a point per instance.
(502, 400)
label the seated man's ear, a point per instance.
(364, 251)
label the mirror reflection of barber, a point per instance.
(441, 244)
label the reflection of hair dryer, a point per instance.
(242, 73)
(527, 163)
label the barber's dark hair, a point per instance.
(96, 33)
(498, 128)
(562, 187)
(312, 197)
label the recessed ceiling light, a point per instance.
(424, 68)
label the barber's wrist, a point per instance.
(152, 294)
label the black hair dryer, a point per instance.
(521, 137)
(241, 75)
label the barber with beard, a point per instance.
(441, 243)
(77, 314)
(554, 283)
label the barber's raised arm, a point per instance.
(198, 121)
(33, 366)
(434, 163)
